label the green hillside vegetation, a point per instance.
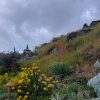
(73, 53)
(60, 69)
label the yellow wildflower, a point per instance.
(22, 68)
(57, 81)
(36, 73)
(39, 80)
(51, 78)
(47, 80)
(19, 98)
(45, 77)
(34, 85)
(36, 67)
(20, 81)
(32, 74)
(13, 88)
(54, 81)
(28, 80)
(25, 97)
(43, 74)
(27, 93)
(38, 70)
(50, 85)
(19, 86)
(29, 68)
(19, 91)
(43, 82)
(45, 89)
(34, 64)
(26, 75)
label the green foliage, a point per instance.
(3, 90)
(32, 83)
(39, 98)
(2, 70)
(57, 97)
(4, 96)
(82, 80)
(62, 69)
(73, 88)
(77, 89)
(45, 61)
(68, 89)
(4, 79)
(92, 91)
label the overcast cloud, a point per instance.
(38, 21)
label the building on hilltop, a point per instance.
(27, 50)
(27, 53)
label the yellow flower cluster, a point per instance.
(22, 98)
(32, 79)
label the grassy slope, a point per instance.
(73, 52)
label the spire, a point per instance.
(27, 48)
(14, 49)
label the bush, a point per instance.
(57, 97)
(3, 90)
(68, 90)
(2, 70)
(82, 80)
(4, 79)
(32, 83)
(73, 88)
(4, 96)
(62, 69)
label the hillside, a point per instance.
(63, 67)
(81, 47)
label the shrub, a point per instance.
(73, 88)
(33, 83)
(92, 91)
(3, 90)
(4, 96)
(68, 90)
(2, 70)
(57, 97)
(4, 79)
(9, 62)
(62, 69)
(82, 80)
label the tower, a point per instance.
(14, 49)
(27, 48)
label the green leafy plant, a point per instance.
(32, 83)
(4, 79)
(82, 80)
(73, 88)
(4, 96)
(57, 97)
(62, 69)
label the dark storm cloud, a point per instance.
(37, 21)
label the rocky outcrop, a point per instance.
(85, 26)
(53, 50)
(81, 32)
(94, 23)
(85, 30)
(97, 64)
(95, 83)
(89, 55)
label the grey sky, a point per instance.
(38, 21)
